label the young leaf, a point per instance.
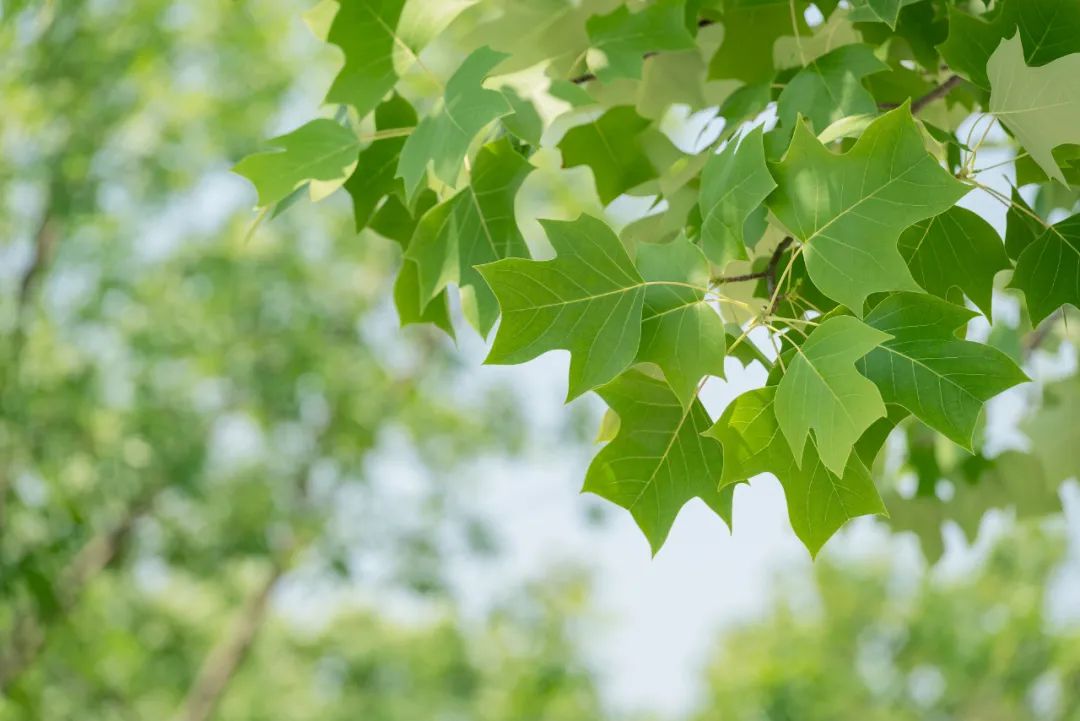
(822, 391)
(659, 459)
(680, 332)
(320, 150)
(625, 37)
(819, 501)
(830, 88)
(365, 30)
(473, 227)
(1040, 105)
(443, 138)
(850, 209)
(957, 249)
(587, 300)
(1048, 270)
(928, 370)
(612, 147)
(374, 178)
(734, 183)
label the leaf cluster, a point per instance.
(800, 166)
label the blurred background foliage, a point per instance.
(193, 415)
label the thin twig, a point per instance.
(939, 92)
(722, 279)
(774, 263)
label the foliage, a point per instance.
(829, 147)
(878, 644)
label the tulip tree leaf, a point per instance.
(734, 183)
(1040, 105)
(588, 301)
(1048, 270)
(957, 249)
(473, 227)
(659, 458)
(821, 391)
(624, 37)
(819, 501)
(442, 139)
(830, 88)
(366, 31)
(320, 151)
(373, 179)
(878, 11)
(924, 367)
(849, 209)
(612, 147)
(680, 332)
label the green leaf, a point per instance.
(473, 227)
(1048, 30)
(680, 332)
(880, 11)
(819, 501)
(659, 459)
(924, 367)
(734, 183)
(611, 146)
(751, 28)
(321, 152)
(374, 177)
(830, 88)
(956, 249)
(365, 30)
(1039, 105)
(588, 301)
(443, 138)
(1048, 270)
(393, 220)
(1021, 228)
(822, 391)
(624, 37)
(849, 209)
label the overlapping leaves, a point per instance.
(828, 246)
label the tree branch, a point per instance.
(774, 263)
(27, 639)
(722, 279)
(939, 92)
(226, 657)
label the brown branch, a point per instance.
(774, 264)
(721, 279)
(223, 660)
(937, 93)
(44, 242)
(1039, 336)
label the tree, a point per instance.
(195, 418)
(873, 647)
(798, 167)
